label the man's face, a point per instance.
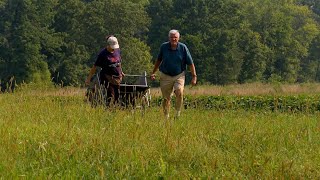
(110, 49)
(174, 39)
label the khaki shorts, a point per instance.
(170, 83)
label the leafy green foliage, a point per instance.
(135, 56)
(24, 29)
(240, 41)
(231, 41)
(58, 40)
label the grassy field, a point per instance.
(54, 133)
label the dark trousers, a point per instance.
(113, 91)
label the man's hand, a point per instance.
(194, 80)
(152, 77)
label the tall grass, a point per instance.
(251, 89)
(55, 134)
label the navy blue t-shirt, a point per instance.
(173, 62)
(109, 62)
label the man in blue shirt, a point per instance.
(172, 60)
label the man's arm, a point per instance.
(92, 71)
(194, 74)
(156, 67)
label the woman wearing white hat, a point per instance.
(110, 76)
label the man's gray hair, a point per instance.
(174, 31)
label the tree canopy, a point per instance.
(231, 41)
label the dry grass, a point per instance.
(249, 89)
(50, 91)
(215, 90)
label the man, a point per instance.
(109, 59)
(172, 60)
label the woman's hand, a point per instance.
(153, 77)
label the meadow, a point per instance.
(54, 133)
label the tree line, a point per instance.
(231, 41)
